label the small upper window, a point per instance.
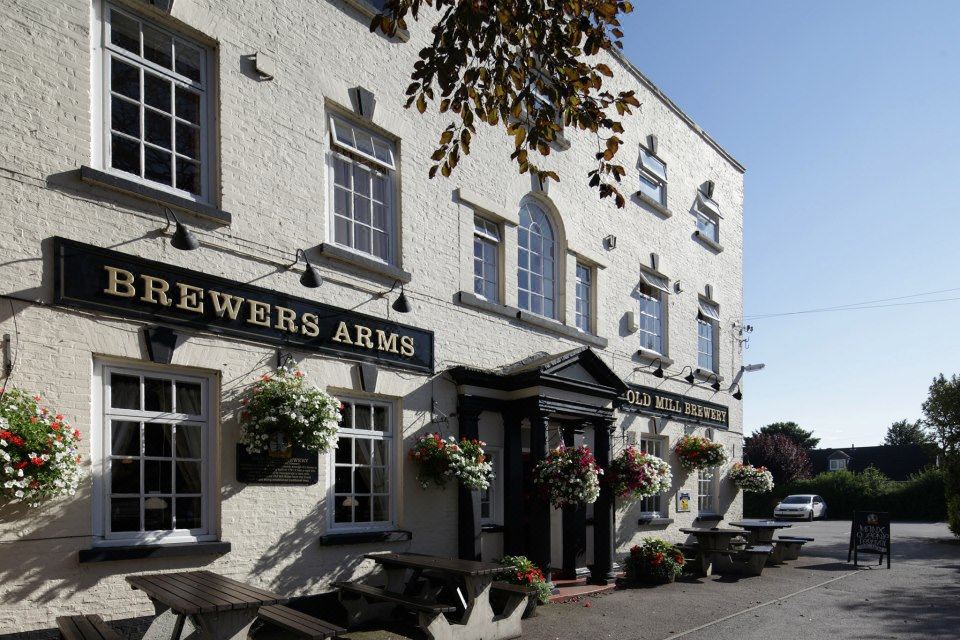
(362, 191)
(653, 177)
(536, 262)
(708, 321)
(837, 464)
(708, 217)
(157, 122)
(653, 294)
(584, 297)
(486, 262)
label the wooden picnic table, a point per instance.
(710, 541)
(760, 532)
(218, 608)
(471, 580)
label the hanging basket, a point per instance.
(39, 455)
(751, 479)
(697, 452)
(569, 477)
(634, 474)
(439, 461)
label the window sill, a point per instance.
(147, 551)
(716, 246)
(652, 356)
(653, 522)
(468, 299)
(119, 183)
(653, 204)
(562, 329)
(369, 11)
(339, 254)
(363, 537)
(492, 528)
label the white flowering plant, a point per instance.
(440, 460)
(635, 474)
(569, 476)
(284, 404)
(39, 451)
(751, 479)
(697, 452)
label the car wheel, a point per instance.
(810, 516)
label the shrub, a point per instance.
(524, 572)
(655, 561)
(952, 493)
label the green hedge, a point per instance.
(952, 474)
(919, 498)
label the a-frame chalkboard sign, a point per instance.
(870, 533)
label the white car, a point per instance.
(803, 506)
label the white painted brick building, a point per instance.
(84, 107)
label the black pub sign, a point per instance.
(656, 402)
(90, 277)
(870, 533)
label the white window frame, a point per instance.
(558, 265)
(707, 214)
(707, 478)
(652, 176)
(654, 446)
(386, 167)
(838, 464)
(392, 468)
(100, 458)
(584, 304)
(653, 289)
(495, 492)
(103, 50)
(708, 316)
(487, 233)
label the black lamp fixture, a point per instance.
(689, 377)
(183, 238)
(311, 277)
(401, 305)
(659, 370)
(738, 394)
(715, 385)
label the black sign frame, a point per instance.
(80, 278)
(661, 404)
(870, 533)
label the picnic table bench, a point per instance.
(760, 531)
(791, 545)
(297, 622)
(88, 627)
(472, 618)
(712, 544)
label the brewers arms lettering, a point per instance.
(122, 283)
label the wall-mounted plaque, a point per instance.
(683, 501)
(290, 466)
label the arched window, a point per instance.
(536, 268)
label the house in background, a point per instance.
(897, 462)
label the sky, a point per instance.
(846, 114)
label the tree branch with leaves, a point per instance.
(530, 68)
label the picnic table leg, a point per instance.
(225, 625)
(167, 624)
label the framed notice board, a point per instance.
(870, 533)
(290, 466)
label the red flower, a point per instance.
(657, 559)
(21, 465)
(58, 417)
(55, 426)
(37, 462)
(76, 433)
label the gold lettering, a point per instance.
(363, 336)
(224, 303)
(259, 313)
(117, 278)
(385, 343)
(191, 298)
(286, 319)
(342, 334)
(309, 326)
(154, 288)
(406, 346)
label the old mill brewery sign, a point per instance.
(870, 533)
(656, 402)
(93, 278)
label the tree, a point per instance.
(786, 460)
(530, 68)
(942, 412)
(905, 432)
(793, 431)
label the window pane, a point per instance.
(381, 508)
(341, 172)
(364, 142)
(361, 512)
(379, 187)
(157, 130)
(157, 476)
(188, 176)
(361, 179)
(346, 415)
(189, 444)
(188, 105)
(380, 216)
(125, 79)
(158, 440)
(381, 480)
(343, 509)
(341, 202)
(363, 416)
(380, 422)
(362, 451)
(125, 476)
(189, 513)
(188, 140)
(124, 32)
(157, 395)
(361, 209)
(125, 154)
(381, 245)
(189, 477)
(156, 91)
(341, 230)
(124, 391)
(343, 477)
(344, 451)
(157, 47)
(157, 514)
(189, 60)
(125, 438)
(361, 480)
(125, 514)
(157, 165)
(362, 237)
(125, 117)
